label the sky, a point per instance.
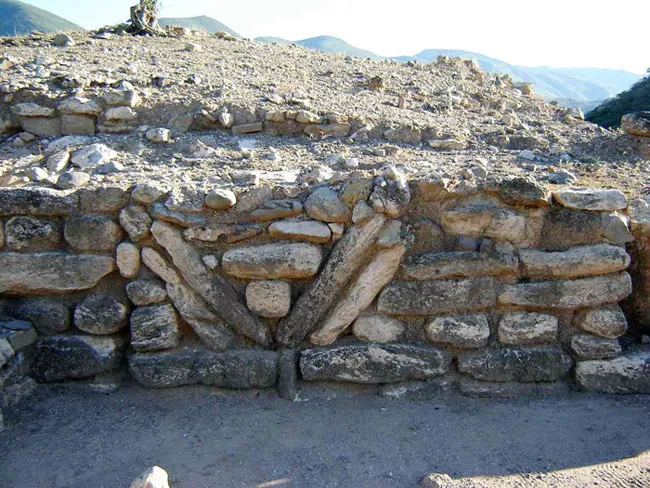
(557, 33)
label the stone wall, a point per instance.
(498, 288)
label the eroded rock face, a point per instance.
(609, 321)
(136, 222)
(273, 261)
(36, 202)
(527, 328)
(269, 298)
(100, 315)
(92, 233)
(373, 363)
(627, 374)
(586, 346)
(463, 331)
(154, 328)
(43, 273)
(324, 204)
(146, 292)
(32, 234)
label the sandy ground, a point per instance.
(68, 437)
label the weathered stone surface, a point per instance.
(348, 256)
(160, 212)
(436, 480)
(391, 235)
(128, 259)
(591, 199)
(616, 229)
(527, 328)
(77, 124)
(437, 297)
(273, 261)
(159, 265)
(47, 316)
(100, 315)
(467, 219)
(240, 370)
(607, 321)
(92, 233)
(636, 124)
(136, 222)
(32, 110)
(147, 193)
(377, 328)
(36, 202)
(79, 106)
(586, 346)
(72, 179)
(65, 357)
(214, 289)
(569, 294)
(526, 365)
(356, 189)
(276, 209)
(507, 225)
(390, 196)
(227, 233)
(462, 331)
(626, 374)
(146, 292)
(524, 191)
(103, 199)
(269, 298)
(154, 328)
(324, 204)
(301, 230)
(288, 364)
(185, 199)
(42, 126)
(369, 282)
(576, 262)
(362, 212)
(93, 156)
(491, 389)
(564, 228)
(155, 477)
(44, 273)
(19, 333)
(252, 199)
(435, 266)
(219, 199)
(6, 351)
(373, 363)
(32, 234)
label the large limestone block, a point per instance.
(468, 219)
(377, 328)
(45, 273)
(36, 202)
(240, 369)
(100, 315)
(591, 199)
(527, 328)
(26, 233)
(463, 331)
(373, 363)
(301, 230)
(370, 281)
(441, 265)
(155, 328)
(269, 298)
(587, 346)
(215, 290)
(103, 199)
(65, 357)
(273, 261)
(569, 294)
(437, 297)
(92, 233)
(576, 262)
(627, 374)
(324, 204)
(349, 254)
(609, 321)
(526, 365)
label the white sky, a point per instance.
(558, 33)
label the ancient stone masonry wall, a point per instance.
(419, 286)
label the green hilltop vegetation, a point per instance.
(636, 99)
(204, 23)
(19, 18)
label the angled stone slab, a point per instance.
(441, 265)
(526, 364)
(574, 263)
(569, 294)
(373, 363)
(273, 261)
(239, 369)
(349, 254)
(44, 273)
(372, 278)
(215, 290)
(437, 297)
(36, 202)
(627, 374)
(591, 199)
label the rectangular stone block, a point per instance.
(569, 294)
(77, 124)
(576, 262)
(436, 266)
(627, 374)
(36, 202)
(437, 297)
(373, 363)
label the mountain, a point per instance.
(326, 44)
(207, 24)
(19, 18)
(635, 99)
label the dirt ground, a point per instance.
(69, 437)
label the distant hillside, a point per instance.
(326, 44)
(635, 99)
(19, 18)
(202, 22)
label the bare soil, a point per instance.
(68, 437)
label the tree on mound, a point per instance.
(144, 18)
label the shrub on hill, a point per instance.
(635, 99)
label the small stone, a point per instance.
(226, 120)
(301, 230)
(271, 299)
(324, 204)
(146, 292)
(586, 347)
(6, 351)
(126, 98)
(305, 117)
(362, 212)
(378, 328)
(462, 331)
(159, 135)
(155, 477)
(276, 209)
(121, 114)
(626, 374)
(527, 328)
(100, 315)
(63, 40)
(136, 222)
(192, 47)
(211, 261)
(93, 156)
(154, 328)
(128, 259)
(58, 161)
(79, 106)
(32, 110)
(228, 233)
(609, 321)
(73, 179)
(337, 229)
(220, 199)
(527, 155)
(390, 235)
(576, 262)
(248, 128)
(105, 199)
(446, 144)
